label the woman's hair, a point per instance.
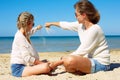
(24, 19)
(88, 8)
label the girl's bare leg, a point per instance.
(37, 69)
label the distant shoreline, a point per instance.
(69, 51)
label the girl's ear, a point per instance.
(28, 23)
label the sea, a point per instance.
(55, 43)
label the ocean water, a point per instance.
(55, 43)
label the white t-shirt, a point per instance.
(22, 51)
(93, 42)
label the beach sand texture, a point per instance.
(59, 73)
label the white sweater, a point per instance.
(22, 51)
(93, 42)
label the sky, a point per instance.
(55, 11)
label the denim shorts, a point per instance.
(96, 66)
(17, 69)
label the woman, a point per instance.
(24, 58)
(92, 55)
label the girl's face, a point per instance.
(79, 17)
(30, 25)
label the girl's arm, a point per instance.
(33, 30)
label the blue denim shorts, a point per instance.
(17, 69)
(96, 66)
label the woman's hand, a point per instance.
(48, 24)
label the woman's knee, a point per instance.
(69, 60)
(69, 63)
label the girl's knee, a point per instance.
(47, 68)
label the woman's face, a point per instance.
(79, 17)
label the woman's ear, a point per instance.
(84, 15)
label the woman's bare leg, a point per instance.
(37, 69)
(77, 63)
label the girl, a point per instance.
(24, 58)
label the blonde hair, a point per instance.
(24, 19)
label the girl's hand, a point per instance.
(37, 62)
(39, 27)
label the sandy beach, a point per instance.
(59, 73)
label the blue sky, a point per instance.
(56, 10)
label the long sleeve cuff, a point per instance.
(32, 60)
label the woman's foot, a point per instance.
(53, 65)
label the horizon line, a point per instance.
(62, 36)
